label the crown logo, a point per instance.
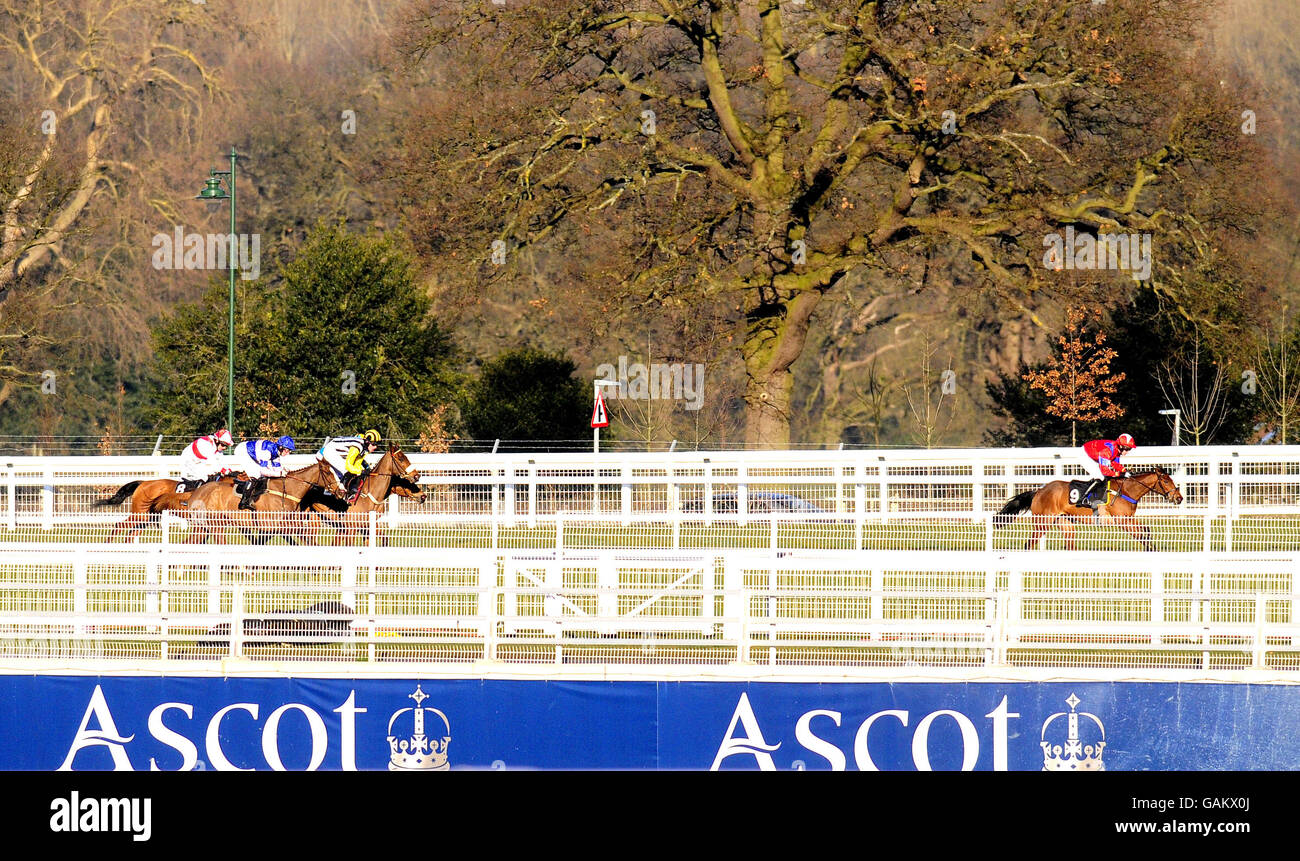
(1074, 755)
(418, 752)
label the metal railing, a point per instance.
(366, 608)
(1172, 532)
(1216, 480)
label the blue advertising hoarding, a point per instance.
(147, 723)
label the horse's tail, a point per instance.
(1016, 504)
(123, 494)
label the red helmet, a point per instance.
(1125, 441)
(223, 436)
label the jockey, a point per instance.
(199, 461)
(346, 455)
(1100, 459)
(260, 460)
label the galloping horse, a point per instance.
(217, 504)
(148, 500)
(1050, 505)
(393, 475)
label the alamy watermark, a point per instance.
(181, 250)
(1129, 251)
(656, 381)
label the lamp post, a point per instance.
(1177, 414)
(212, 192)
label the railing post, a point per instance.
(742, 494)
(237, 620)
(374, 527)
(735, 624)
(882, 480)
(510, 490)
(626, 500)
(490, 596)
(532, 494)
(47, 499)
(11, 517)
(79, 587)
(1261, 619)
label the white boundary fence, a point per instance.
(1215, 480)
(162, 608)
(699, 564)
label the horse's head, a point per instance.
(1164, 485)
(322, 475)
(409, 489)
(402, 464)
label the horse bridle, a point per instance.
(406, 474)
(1159, 474)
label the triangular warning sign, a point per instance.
(599, 417)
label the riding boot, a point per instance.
(1090, 499)
(246, 500)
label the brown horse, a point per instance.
(1050, 506)
(393, 475)
(148, 500)
(217, 504)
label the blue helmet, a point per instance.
(285, 443)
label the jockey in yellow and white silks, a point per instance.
(347, 456)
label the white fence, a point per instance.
(166, 609)
(1216, 480)
(811, 564)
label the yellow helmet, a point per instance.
(371, 436)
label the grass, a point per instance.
(1169, 534)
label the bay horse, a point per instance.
(393, 475)
(1050, 506)
(149, 498)
(217, 504)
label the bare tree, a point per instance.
(1277, 363)
(744, 156)
(926, 398)
(1197, 392)
(77, 70)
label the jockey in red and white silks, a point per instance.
(201, 459)
(1100, 459)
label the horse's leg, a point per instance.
(1038, 527)
(1066, 524)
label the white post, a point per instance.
(1177, 414)
(47, 499)
(11, 517)
(595, 441)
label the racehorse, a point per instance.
(217, 504)
(1050, 505)
(393, 475)
(148, 500)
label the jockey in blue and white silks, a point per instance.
(260, 460)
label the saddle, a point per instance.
(184, 486)
(1093, 500)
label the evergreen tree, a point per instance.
(527, 394)
(339, 340)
